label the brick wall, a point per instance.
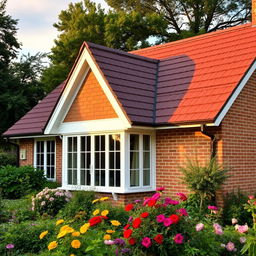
(91, 103)
(28, 145)
(239, 140)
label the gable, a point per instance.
(91, 103)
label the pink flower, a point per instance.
(178, 239)
(251, 197)
(218, 229)
(9, 246)
(160, 218)
(242, 239)
(109, 242)
(213, 208)
(199, 227)
(170, 201)
(146, 242)
(43, 203)
(167, 222)
(146, 201)
(230, 246)
(182, 196)
(182, 211)
(156, 196)
(234, 221)
(160, 189)
(51, 199)
(242, 228)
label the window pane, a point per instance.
(134, 142)
(102, 178)
(102, 160)
(97, 143)
(111, 142)
(75, 144)
(82, 178)
(118, 179)
(83, 143)
(69, 177)
(74, 160)
(97, 177)
(111, 160)
(134, 178)
(111, 178)
(88, 177)
(146, 159)
(74, 177)
(88, 160)
(134, 160)
(146, 142)
(69, 160)
(97, 160)
(82, 163)
(70, 144)
(117, 160)
(88, 143)
(146, 177)
(102, 148)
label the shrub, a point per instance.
(204, 180)
(50, 201)
(7, 159)
(234, 208)
(24, 236)
(16, 182)
(51, 184)
(81, 201)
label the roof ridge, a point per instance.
(120, 52)
(194, 38)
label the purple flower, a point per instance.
(119, 241)
(146, 242)
(199, 227)
(125, 250)
(168, 201)
(182, 211)
(137, 201)
(9, 246)
(230, 246)
(167, 222)
(130, 219)
(160, 218)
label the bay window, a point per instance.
(45, 157)
(111, 162)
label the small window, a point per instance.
(45, 157)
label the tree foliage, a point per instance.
(191, 17)
(86, 21)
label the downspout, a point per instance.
(213, 141)
(17, 150)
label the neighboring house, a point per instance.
(123, 123)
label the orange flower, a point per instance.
(75, 244)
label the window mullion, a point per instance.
(78, 160)
(106, 161)
(45, 158)
(92, 167)
(141, 159)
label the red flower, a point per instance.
(151, 202)
(182, 196)
(126, 226)
(174, 218)
(159, 239)
(128, 207)
(132, 241)
(127, 233)
(95, 220)
(136, 223)
(104, 217)
(144, 215)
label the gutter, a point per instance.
(213, 139)
(7, 140)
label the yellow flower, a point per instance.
(52, 245)
(115, 223)
(110, 231)
(96, 212)
(104, 198)
(62, 234)
(58, 222)
(95, 201)
(76, 244)
(72, 254)
(67, 228)
(84, 228)
(104, 213)
(76, 233)
(107, 237)
(43, 234)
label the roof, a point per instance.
(186, 81)
(34, 122)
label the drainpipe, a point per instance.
(213, 140)
(17, 150)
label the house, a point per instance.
(123, 123)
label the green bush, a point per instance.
(51, 184)
(234, 208)
(7, 159)
(24, 236)
(16, 182)
(50, 201)
(80, 201)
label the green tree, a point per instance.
(191, 17)
(86, 21)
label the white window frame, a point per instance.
(45, 155)
(124, 163)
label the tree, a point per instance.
(191, 17)
(86, 21)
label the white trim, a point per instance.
(93, 126)
(33, 137)
(237, 91)
(183, 126)
(76, 80)
(48, 138)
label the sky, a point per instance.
(35, 22)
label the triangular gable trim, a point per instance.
(235, 94)
(76, 79)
